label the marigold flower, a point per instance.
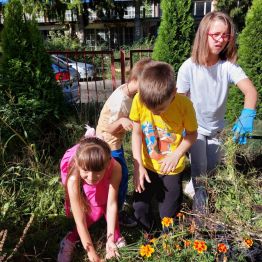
(153, 240)
(248, 242)
(146, 250)
(178, 247)
(187, 243)
(200, 246)
(167, 221)
(179, 214)
(221, 248)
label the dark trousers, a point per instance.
(168, 192)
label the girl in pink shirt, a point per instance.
(91, 179)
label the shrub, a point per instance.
(32, 101)
(175, 34)
(250, 42)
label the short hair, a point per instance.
(200, 48)
(157, 84)
(137, 69)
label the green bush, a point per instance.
(32, 101)
(175, 34)
(250, 51)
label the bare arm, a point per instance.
(170, 162)
(123, 123)
(250, 93)
(112, 210)
(80, 220)
(140, 173)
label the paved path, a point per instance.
(96, 90)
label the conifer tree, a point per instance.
(250, 47)
(33, 101)
(175, 35)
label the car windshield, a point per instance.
(66, 59)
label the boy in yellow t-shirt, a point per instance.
(159, 118)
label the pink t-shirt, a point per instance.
(97, 194)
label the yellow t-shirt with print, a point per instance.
(161, 134)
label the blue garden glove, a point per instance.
(244, 126)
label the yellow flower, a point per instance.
(146, 250)
(221, 248)
(200, 246)
(153, 240)
(167, 221)
(248, 242)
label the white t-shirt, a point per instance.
(208, 90)
(116, 106)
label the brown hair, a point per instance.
(137, 69)
(93, 154)
(157, 84)
(200, 48)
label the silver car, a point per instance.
(74, 75)
(85, 70)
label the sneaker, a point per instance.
(125, 220)
(189, 189)
(66, 250)
(121, 242)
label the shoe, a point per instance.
(189, 189)
(121, 242)
(125, 220)
(66, 250)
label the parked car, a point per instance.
(70, 87)
(86, 71)
(74, 74)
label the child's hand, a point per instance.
(127, 124)
(111, 250)
(140, 175)
(169, 163)
(95, 258)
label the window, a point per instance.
(201, 8)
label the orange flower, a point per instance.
(146, 250)
(178, 247)
(221, 248)
(179, 214)
(248, 242)
(187, 243)
(200, 246)
(167, 221)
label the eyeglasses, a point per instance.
(217, 36)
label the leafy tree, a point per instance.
(175, 34)
(250, 43)
(33, 101)
(236, 9)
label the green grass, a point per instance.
(33, 188)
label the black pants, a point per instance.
(168, 192)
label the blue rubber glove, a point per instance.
(244, 125)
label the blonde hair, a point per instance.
(200, 48)
(137, 69)
(157, 84)
(92, 154)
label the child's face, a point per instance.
(218, 37)
(91, 177)
(163, 107)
